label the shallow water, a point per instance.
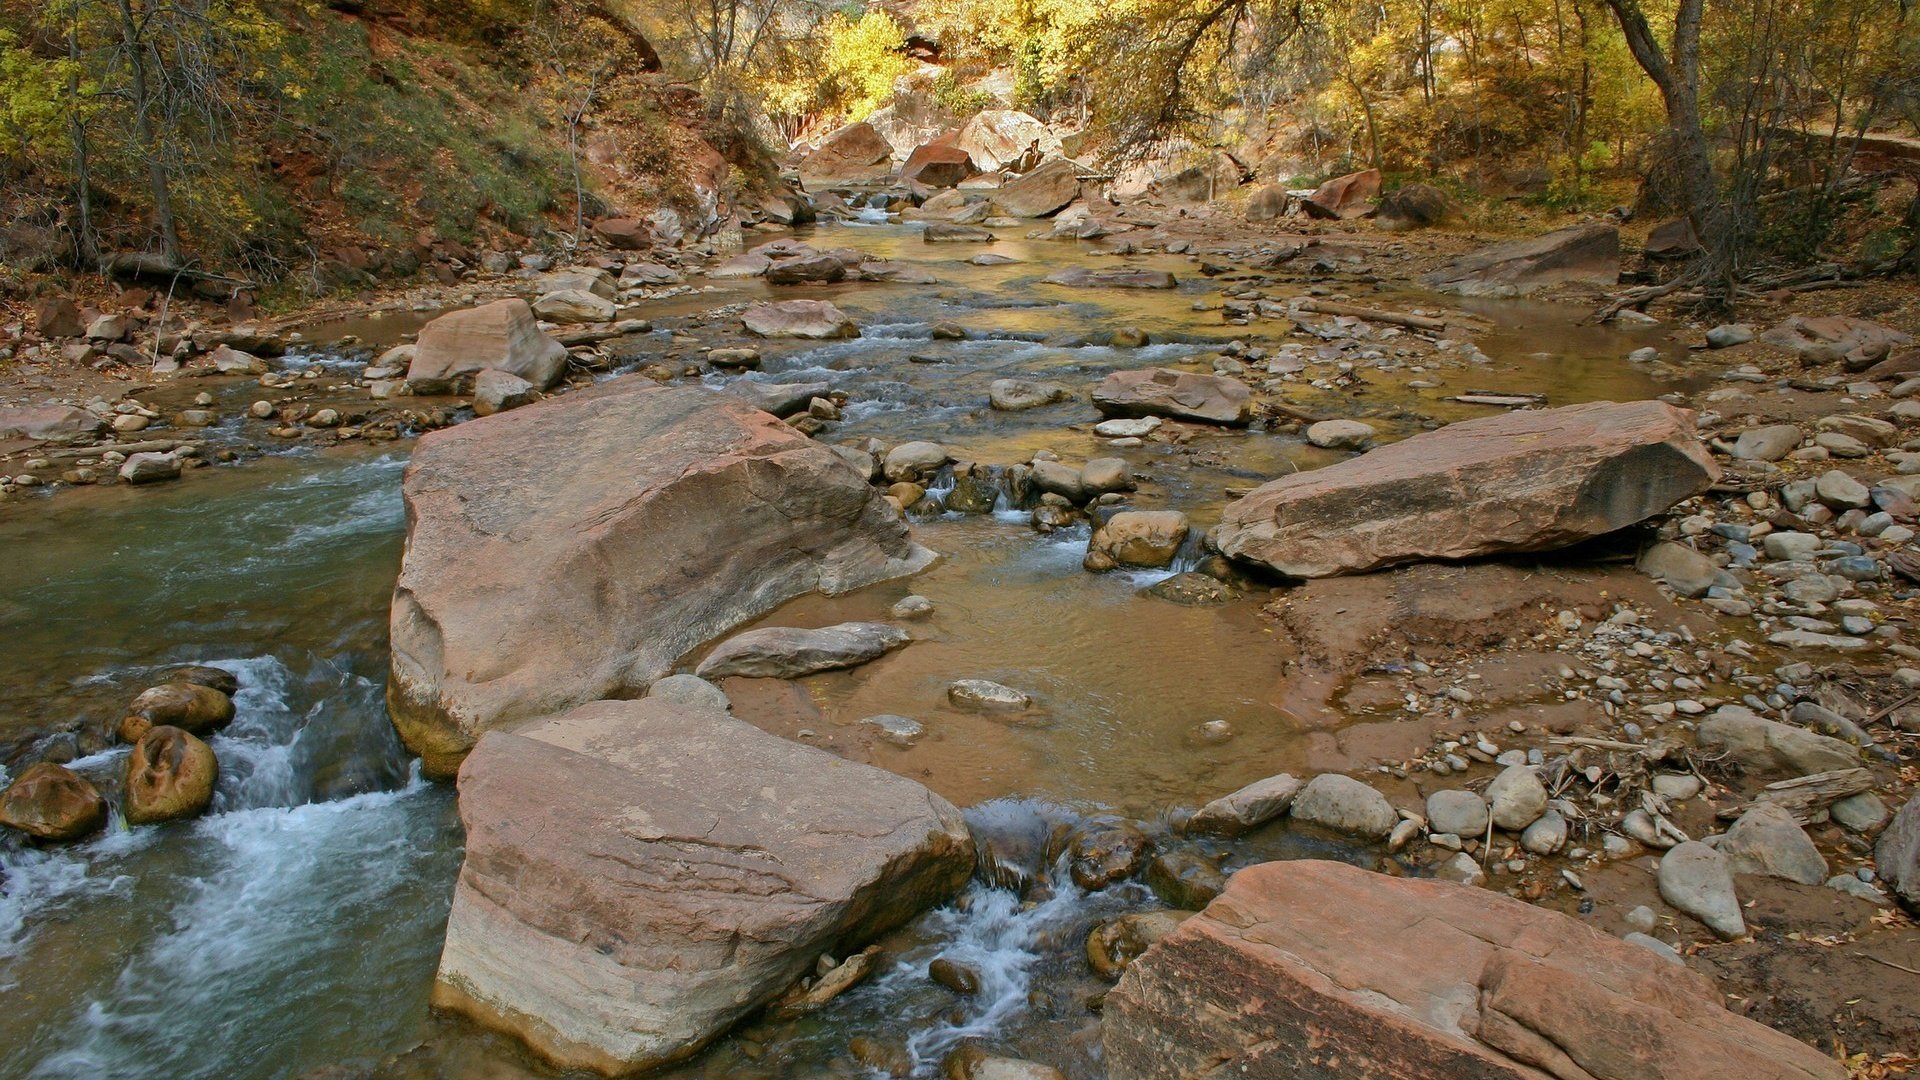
(298, 924)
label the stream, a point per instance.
(297, 925)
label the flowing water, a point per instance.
(297, 924)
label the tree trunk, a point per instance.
(135, 44)
(85, 252)
(1678, 79)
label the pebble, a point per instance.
(912, 607)
(1461, 869)
(1642, 919)
(1654, 944)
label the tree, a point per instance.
(579, 50)
(1675, 70)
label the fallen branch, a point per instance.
(1597, 744)
(1392, 318)
(1804, 796)
(156, 446)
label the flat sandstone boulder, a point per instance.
(790, 652)
(641, 874)
(1588, 254)
(1522, 481)
(1319, 969)
(1180, 395)
(576, 548)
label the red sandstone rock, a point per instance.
(1309, 970)
(1521, 481)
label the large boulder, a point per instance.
(1763, 747)
(1897, 855)
(503, 335)
(576, 548)
(58, 424)
(572, 306)
(1267, 203)
(815, 319)
(1344, 197)
(1588, 254)
(1318, 969)
(1148, 539)
(1858, 343)
(641, 874)
(1413, 206)
(1180, 395)
(938, 164)
(624, 233)
(806, 270)
(997, 138)
(1521, 481)
(52, 802)
(1046, 190)
(57, 317)
(854, 152)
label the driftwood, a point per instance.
(1807, 795)
(156, 446)
(1392, 318)
(141, 264)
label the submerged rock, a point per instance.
(1079, 277)
(1106, 851)
(1303, 963)
(786, 652)
(1118, 942)
(799, 319)
(1523, 481)
(52, 802)
(984, 696)
(574, 550)
(695, 869)
(1015, 395)
(1185, 880)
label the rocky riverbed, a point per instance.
(1677, 707)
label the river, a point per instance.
(297, 925)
